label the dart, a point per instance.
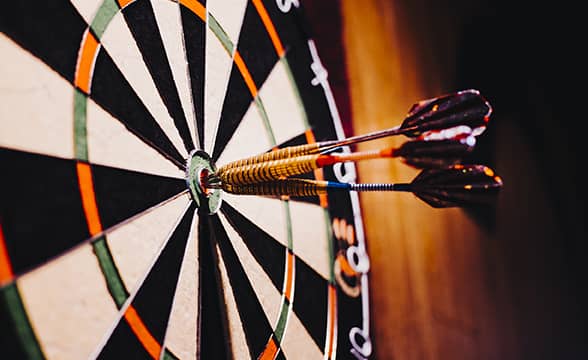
(464, 108)
(432, 149)
(455, 186)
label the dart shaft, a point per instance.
(325, 160)
(326, 146)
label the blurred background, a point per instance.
(497, 282)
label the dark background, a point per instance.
(524, 57)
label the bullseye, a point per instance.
(199, 166)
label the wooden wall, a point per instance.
(497, 283)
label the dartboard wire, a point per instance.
(126, 310)
(89, 50)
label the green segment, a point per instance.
(282, 320)
(80, 131)
(296, 92)
(9, 295)
(330, 240)
(114, 282)
(288, 224)
(105, 13)
(220, 33)
(266, 122)
(168, 355)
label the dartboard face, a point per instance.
(110, 113)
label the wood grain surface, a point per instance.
(500, 283)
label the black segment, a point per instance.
(121, 194)
(213, 333)
(168, 355)
(256, 326)
(195, 44)
(51, 30)
(299, 139)
(153, 302)
(260, 57)
(313, 97)
(347, 306)
(339, 201)
(255, 46)
(237, 101)
(123, 344)
(141, 20)
(112, 91)
(311, 302)
(280, 356)
(291, 26)
(268, 252)
(40, 207)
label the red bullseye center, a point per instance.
(203, 181)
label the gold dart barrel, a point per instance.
(287, 187)
(287, 152)
(268, 170)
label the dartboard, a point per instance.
(110, 112)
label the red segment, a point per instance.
(86, 184)
(6, 274)
(143, 334)
(86, 58)
(269, 26)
